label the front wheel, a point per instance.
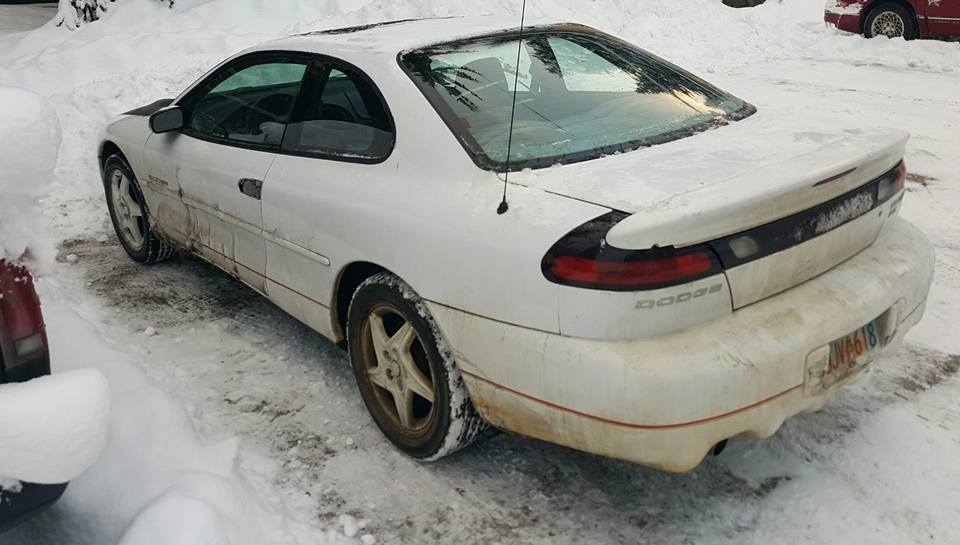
(128, 212)
(890, 20)
(406, 374)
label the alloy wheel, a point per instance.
(127, 209)
(395, 364)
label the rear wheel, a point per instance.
(406, 374)
(891, 20)
(129, 214)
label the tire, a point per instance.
(129, 214)
(386, 364)
(892, 20)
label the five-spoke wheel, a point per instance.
(128, 210)
(405, 372)
(397, 366)
(129, 214)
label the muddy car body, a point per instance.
(646, 295)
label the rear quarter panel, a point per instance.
(427, 214)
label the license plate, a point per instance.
(852, 352)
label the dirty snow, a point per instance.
(234, 424)
(157, 481)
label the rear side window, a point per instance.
(345, 119)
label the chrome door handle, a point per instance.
(251, 187)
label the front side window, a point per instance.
(345, 119)
(580, 94)
(246, 103)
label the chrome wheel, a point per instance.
(888, 24)
(127, 209)
(395, 364)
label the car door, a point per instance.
(943, 18)
(233, 126)
(334, 156)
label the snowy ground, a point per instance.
(21, 18)
(234, 406)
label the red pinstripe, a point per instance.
(630, 424)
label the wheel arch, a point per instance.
(106, 149)
(349, 279)
(875, 4)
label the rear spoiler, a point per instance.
(762, 196)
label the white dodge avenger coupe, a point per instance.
(674, 268)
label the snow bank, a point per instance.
(30, 137)
(198, 523)
(157, 480)
(53, 428)
(95, 72)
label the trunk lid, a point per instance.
(737, 178)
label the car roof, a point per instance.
(391, 37)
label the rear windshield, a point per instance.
(581, 94)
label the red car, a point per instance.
(896, 18)
(23, 356)
(23, 338)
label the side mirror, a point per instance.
(166, 120)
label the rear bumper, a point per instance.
(664, 402)
(34, 367)
(31, 500)
(848, 22)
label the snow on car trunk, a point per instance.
(740, 177)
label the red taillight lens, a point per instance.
(583, 259)
(901, 175)
(631, 274)
(19, 304)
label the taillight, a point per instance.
(892, 183)
(583, 258)
(20, 308)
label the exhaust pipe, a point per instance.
(718, 448)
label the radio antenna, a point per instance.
(513, 110)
